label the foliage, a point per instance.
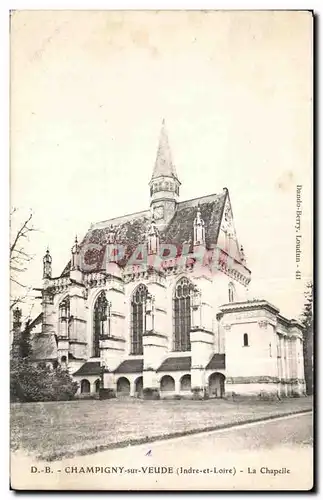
(268, 396)
(107, 393)
(307, 321)
(31, 383)
(24, 348)
(149, 393)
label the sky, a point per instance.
(89, 91)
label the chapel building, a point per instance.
(155, 304)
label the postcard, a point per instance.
(161, 250)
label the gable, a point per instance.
(227, 237)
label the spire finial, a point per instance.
(75, 247)
(47, 254)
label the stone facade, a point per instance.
(154, 304)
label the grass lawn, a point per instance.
(50, 431)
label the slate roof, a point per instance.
(89, 368)
(130, 230)
(130, 366)
(180, 229)
(175, 364)
(36, 321)
(217, 362)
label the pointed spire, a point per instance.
(164, 164)
(75, 247)
(75, 255)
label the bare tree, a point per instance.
(19, 257)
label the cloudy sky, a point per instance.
(89, 91)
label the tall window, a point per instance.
(100, 322)
(182, 315)
(245, 340)
(138, 318)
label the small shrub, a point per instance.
(172, 397)
(87, 395)
(107, 393)
(198, 394)
(149, 393)
(30, 383)
(268, 396)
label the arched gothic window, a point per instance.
(64, 317)
(182, 315)
(138, 318)
(101, 323)
(245, 340)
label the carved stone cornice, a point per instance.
(144, 275)
(58, 285)
(263, 324)
(250, 305)
(265, 379)
(92, 280)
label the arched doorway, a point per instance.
(85, 386)
(216, 385)
(186, 383)
(97, 385)
(139, 384)
(123, 387)
(167, 383)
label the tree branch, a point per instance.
(21, 232)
